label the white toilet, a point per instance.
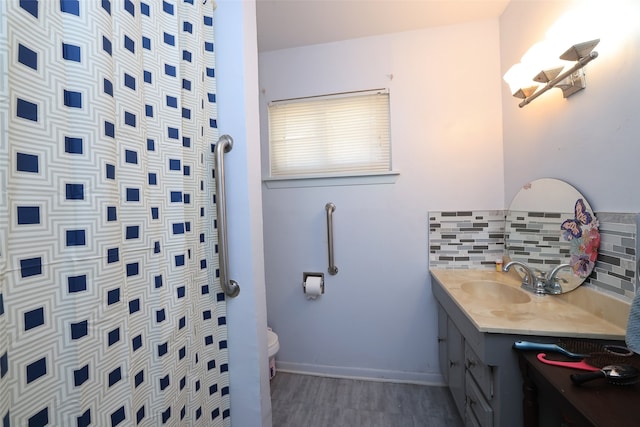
(272, 349)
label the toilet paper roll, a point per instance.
(313, 287)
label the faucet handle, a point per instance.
(529, 280)
(553, 288)
(537, 272)
(552, 284)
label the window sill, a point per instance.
(330, 181)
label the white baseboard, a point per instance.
(361, 373)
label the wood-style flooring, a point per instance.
(312, 401)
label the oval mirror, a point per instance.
(550, 223)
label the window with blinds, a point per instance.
(337, 135)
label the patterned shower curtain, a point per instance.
(111, 312)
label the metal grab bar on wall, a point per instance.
(330, 207)
(230, 287)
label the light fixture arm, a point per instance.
(551, 84)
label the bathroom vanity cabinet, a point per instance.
(475, 343)
(481, 371)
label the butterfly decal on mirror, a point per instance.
(584, 239)
(573, 227)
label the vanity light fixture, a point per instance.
(570, 81)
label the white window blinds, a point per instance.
(345, 134)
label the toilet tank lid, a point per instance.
(272, 342)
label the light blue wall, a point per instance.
(591, 139)
(377, 318)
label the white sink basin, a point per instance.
(495, 292)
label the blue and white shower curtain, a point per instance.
(110, 309)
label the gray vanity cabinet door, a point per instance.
(455, 350)
(443, 354)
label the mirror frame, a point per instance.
(548, 223)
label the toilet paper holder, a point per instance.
(305, 275)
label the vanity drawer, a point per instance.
(483, 374)
(477, 411)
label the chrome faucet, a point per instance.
(553, 285)
(531, 281)
(537, 281)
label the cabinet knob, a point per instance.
(471, 363)
(452, 363)
(440, 339)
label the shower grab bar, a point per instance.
(330, 207)
(230, 287)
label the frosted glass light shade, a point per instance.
(544, 56)
(520, 76)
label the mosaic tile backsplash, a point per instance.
(617, 266)
(475, 239)
(465, 239)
